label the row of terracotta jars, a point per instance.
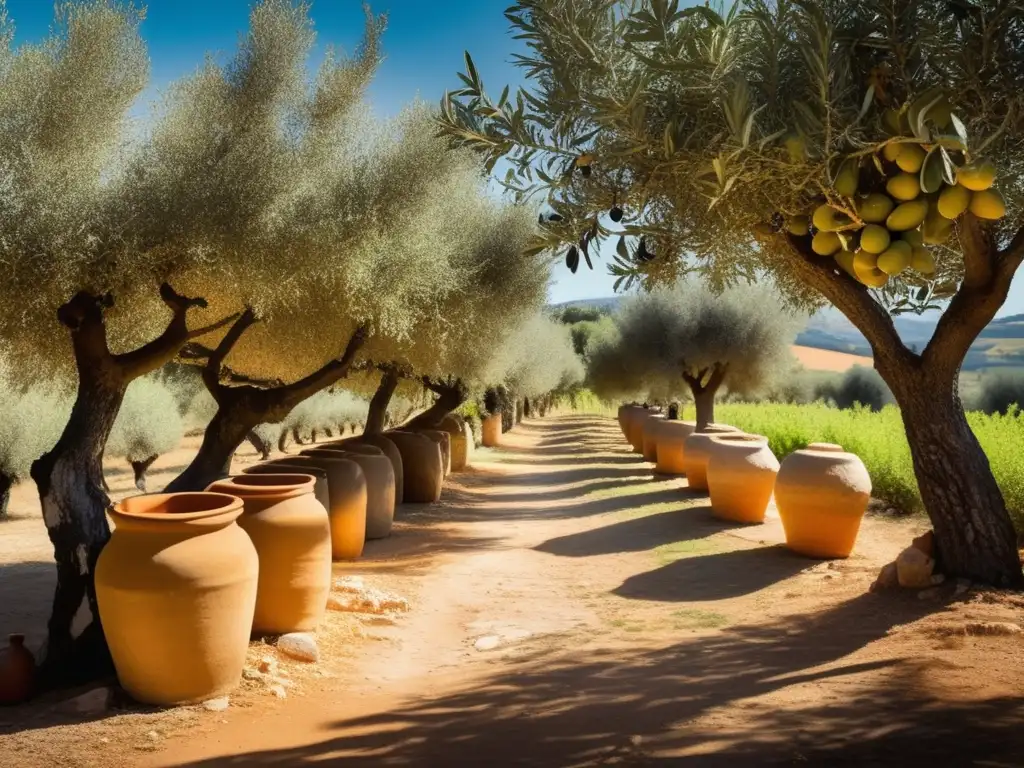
(821, 492)
(186, 579)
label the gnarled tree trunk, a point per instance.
(241, 407)
(70, 478)
(376, 416)
(974, 536)
(262, 446)
(450, 395)
(704, 386)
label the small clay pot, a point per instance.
(822, 493)
(292, 535)
(695, 455)
(741, 476)
(17, 671)
(491, 428)
(671, 438)
(649, 439)
(460, 446)
(176, 587)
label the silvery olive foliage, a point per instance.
(31, 419)
(671, 337)
(536, 359)
(148, 424)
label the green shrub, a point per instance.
(859, 385)
(148, 424)
(1000, 391)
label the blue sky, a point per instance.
(423, 46)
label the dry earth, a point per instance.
(814, 359)
(569, 608)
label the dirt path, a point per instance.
(569, 608)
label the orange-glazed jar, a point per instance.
(741, 476)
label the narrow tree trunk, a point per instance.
(704, 400)
(297, 437)
(376, 416)
(282, 441)
(328, 433)
(70, 482)
(974, 535)
(527, 410)
(312, 436)
(449, 397)
(519, 411)
(262, 446)
(140, 468)
(231, 424)
(6, 483)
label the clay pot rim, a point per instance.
(359, 450)
(739, 438)
(323, 455)
(264, 485)
(297, 468)
(228, 508)
(829, 448)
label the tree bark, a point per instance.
(974, 536)
(6, 483)
(450, 395)
(704, 386)
(70, 477)
(376, 416)
(139, 468)
(240, 408)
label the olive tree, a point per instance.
(847, 148)
(494, 286)
(148, 424)
(738, 341)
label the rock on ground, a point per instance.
(299, 645)
(914, 568)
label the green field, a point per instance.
(877, 437)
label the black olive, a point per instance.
(572, 259)
(615, 214)
(585, 170)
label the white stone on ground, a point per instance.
(488, 643)
(218, 704)
(356, 597)
(299, 645)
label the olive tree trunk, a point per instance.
(262, 446)
(704, 386)
(974, 535)
(70, 481)
(450, 395)
(377, 415)
(140, 468)
(6, 483)
(241, 407)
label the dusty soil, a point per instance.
(569, 608)
(814, 359)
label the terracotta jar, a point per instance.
(295, 465)
(380, 484)
(695, 455)
(491, 428)
(671, 438)
(17, 671)
(621, 417)
(454, 426)
(625, 418)
(421, 463)
(822, 493)
(649, 439)
(346, 485)
(176, 587)
(443, 440)
(467, 432)
(390, 450)
(637, 422)
(292, 536)
(741, 476)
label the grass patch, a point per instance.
(696, 618)
(680, 550)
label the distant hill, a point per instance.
(1000, 345)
